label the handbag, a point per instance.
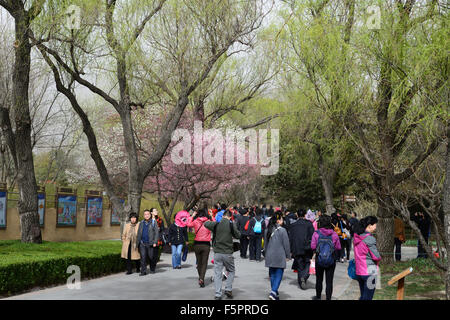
(351, 269)
(312, 267)
(185, 253)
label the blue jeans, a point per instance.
(275, 274)
(366, 287)
(176, 255)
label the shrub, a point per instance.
(26, 266)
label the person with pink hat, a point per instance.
(178, 236)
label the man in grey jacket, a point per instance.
(223, 233)
(147, 239)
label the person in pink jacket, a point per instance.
(202, 242)
(367, 256)
(325, 231)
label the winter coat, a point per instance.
(399, 229)
(177, 235)
(160, 230)
(277, 248)
(153, 232)
(201, 232)
(135, 255)
(224, 239)
(290, 219)
(252, 223)
(366, 254)
(423, 224)
(351, 223)
(240, 224)
(326, 232)
(219, 215)
(300, 235)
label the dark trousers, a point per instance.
(398, 249)
(345, 248)
(129, 264)
(302, 262)
(146, 252)
(201, 254)
(255, 247)
(421, 253)
(244, 245)
(155, 259)
(329, 274)
(366, 287)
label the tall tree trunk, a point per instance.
(28, 202)
(327, 185)
(327, 177)
(385, 230)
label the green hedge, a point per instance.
(26, 266)
(19, 277)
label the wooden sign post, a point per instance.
(400, 278)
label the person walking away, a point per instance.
(290, 218)
(130, 250)
(156, 250)
(202, 242)
(214, 211)
(223, 234)
(300, 235)
(243, 227)
(177, 237)
(257, 228)
(399, 237)
(344, 237)
(147, 238)
(326, 244)
(367, 256)
(352, 222)
(221, 212)
(423, 223)
(278, 251)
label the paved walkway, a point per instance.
(251, 283)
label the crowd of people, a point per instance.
(313, 241)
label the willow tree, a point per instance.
(375, 81)
(140, 54)
(317, 79)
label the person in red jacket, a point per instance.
(202, 242)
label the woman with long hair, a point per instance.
(277, 252)
(367, 256)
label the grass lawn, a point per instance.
(424, 283)
(14, 251)
(413, 243)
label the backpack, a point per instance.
(324, 251)
(257, 228)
